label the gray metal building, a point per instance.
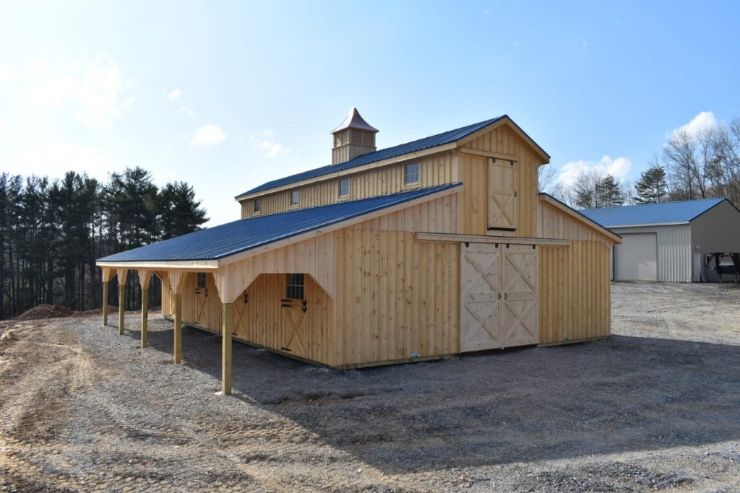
(671, 241)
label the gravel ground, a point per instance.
(655, 406)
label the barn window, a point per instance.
(201, 282)
(294, 197)
(411, 174)
(344, 187)
(257, 206)
(294, 288)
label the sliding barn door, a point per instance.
(519, 310)
(480, 277)
(502, 195)
(498, 296)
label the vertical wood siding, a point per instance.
(434, 170)
(397, 298)
(474, 175)
(575, 296)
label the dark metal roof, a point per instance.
(371, 157)
(663, 213)
(354, 120)
(245, 234)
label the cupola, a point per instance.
(353, 137)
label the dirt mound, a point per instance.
(45, 311)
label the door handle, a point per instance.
(499, 296)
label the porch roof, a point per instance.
(246, 234)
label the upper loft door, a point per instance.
(502, 195)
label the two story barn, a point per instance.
(426, 249)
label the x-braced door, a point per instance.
(498, 289)
(502, 195)
(480, 277)
(294, 326)
(519, 311)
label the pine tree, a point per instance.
(651, 188)
(179, 212)
(609, 192)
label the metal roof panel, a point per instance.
(246, 234)
(664, 213)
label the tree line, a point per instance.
(692, 165)
(52, 231)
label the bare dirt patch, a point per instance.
(653, 407)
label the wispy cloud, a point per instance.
(618, 167)
(700, 124)
(174, 94)
(98, 94)
(208, 135)
(266, 141)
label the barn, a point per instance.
(672, 241)
(423, 250)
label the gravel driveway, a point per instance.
(655, 406)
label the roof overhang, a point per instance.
(505, 119)
(187, 265)
(649, 225)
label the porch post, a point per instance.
(226, 329)
(105, 302)
(177, 342)
(176, 279)
(144, 278)
(122, 275)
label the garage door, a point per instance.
(636, 258)
(498, 296)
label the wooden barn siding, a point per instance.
(397, 296)
(434, 170)
(575, 296)
(473, 172)
(394, 295)
(259, 321)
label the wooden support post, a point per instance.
(122, 274)
(177, 343)
(105, 303)
(227, 327)
(121, 306)
(144, 317)
(145, 276)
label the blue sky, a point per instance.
(226, 95)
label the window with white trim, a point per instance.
(257, 206)
(343, 187)
(411, 174)
(294, 196)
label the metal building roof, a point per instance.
(246, 234)
(651, 214)
(371, 157)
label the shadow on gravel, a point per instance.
(616, 395)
